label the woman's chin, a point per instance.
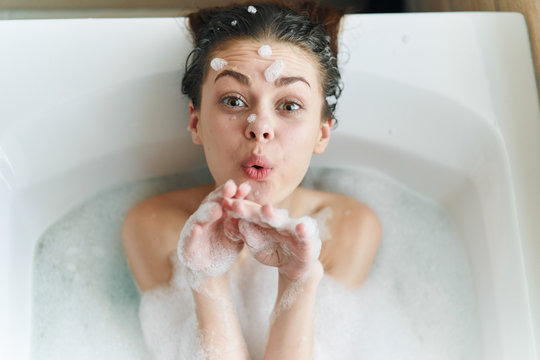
(259, 197)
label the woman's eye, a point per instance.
(290, 106)
(234, 102)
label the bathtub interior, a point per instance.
(92, 103)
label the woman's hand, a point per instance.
(275, 239)
(210, 240)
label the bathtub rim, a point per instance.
(523, 178)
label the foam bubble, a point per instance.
(331, 100)
(251, 118)
(234, 22)
(251, 9)
(287, 299)
(168, 321)
(274, 71)
(265, 51)
(218, 63)
(279, 219)
(321, 217)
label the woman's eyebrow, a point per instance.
(284, 81)
(234, 74)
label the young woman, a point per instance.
(263, 82)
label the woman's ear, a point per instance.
(194, 124)
(324, 136)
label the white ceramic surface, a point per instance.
(445, 103)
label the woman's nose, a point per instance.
(258, 129)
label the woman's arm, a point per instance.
(291, 328)
(150, 235)
(293, 246)
(220, 333)
(209, 245)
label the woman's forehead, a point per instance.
(244, 56)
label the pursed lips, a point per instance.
(257, 167)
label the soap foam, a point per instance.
(287, 299)
(331, 100)
(251, 118)
(208, 258)
(322, 217)
(218, 63)
(419, 296)
(273, 72)
(252, 9)
(265, 51)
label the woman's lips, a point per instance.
(257, 167)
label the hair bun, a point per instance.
(327, 16)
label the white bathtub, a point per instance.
(446, 103)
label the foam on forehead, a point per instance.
(273, 72)
(265, 50)
(218, 63)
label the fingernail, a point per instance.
(244, 187)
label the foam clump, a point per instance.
(265, 51)
(322, 217)
(203, 258)
(251, 118)
(218, 63)
(252, 9)
(331, 100)
(273, 72)
(169, 322)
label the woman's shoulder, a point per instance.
(351, 233)
(150, 233)
(346, 208)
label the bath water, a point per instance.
(418, 302)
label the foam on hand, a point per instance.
(312, 234)
(218, 63)
(273, 72)
(265, 51)
(203, 258)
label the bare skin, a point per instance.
(152, 228)
(219, 225)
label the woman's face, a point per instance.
(260, 131)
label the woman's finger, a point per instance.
(243, 190)
(229, 189)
